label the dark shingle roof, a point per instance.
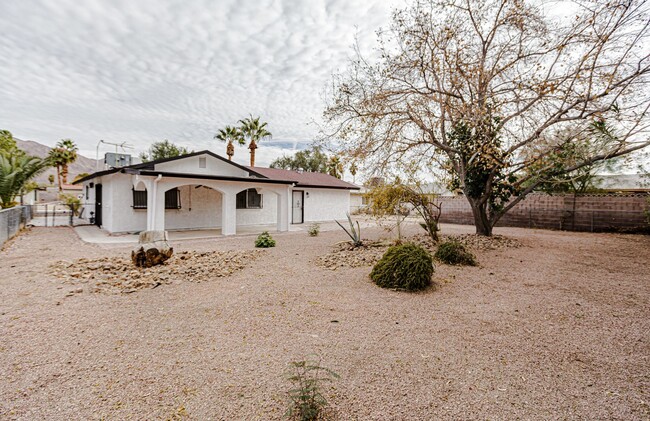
(302, 179)
(305, 178)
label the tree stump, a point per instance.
(153, 249)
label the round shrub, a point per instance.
(264, 240)
(453, 252)
(405, 266)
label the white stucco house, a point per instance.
(203, 190)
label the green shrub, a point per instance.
(264, 240)
(406, 266)
(313, 229)
(306, 400)
(453, 252)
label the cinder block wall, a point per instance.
(591, 212)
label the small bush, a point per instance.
(407, 266)
(264, 240)
(453, 252)
(306, 400)
(313, 229)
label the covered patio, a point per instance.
(234, 205)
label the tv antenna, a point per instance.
(122, 145)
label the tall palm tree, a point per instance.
(335, 167)
(71, 149)
(62, 155)
(353, 171)
(15, 171)
(253, 131)
(230, 134)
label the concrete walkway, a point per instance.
(95, 235)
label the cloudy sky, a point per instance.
(147, 70)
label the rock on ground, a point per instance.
(111, 275)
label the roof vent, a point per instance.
(300, 170)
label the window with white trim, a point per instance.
(249, 199)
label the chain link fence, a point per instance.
(12, 220)
(57, 214)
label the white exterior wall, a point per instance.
(356, 202)
(325, 204)
(108, 199)
(265, 216)
(118, 214)
(191, 166)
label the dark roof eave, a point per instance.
(210, 177)
(97, 174)
(321, 186)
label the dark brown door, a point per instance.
(98, 205)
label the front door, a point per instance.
(98, 205)
(298, 207)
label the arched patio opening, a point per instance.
(193, 207)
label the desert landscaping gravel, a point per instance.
(549, 325)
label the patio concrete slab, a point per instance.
(95, 235)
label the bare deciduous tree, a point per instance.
(486, 89)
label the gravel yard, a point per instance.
(556, 327)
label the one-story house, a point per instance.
(203, 190)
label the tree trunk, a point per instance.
(230, 150)
(58, 177)
(481, 219)
(252, 147)
(64, 174)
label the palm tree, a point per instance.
(335, 167)
(253, 131)
(71, 149)
(15, 171)
(57, 157)
(62, 155)
(353, 171)
(230, 134)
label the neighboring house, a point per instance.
(358, 200)
(203, 190)
(52, 194)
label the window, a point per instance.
(202, 162)
(172, 199)
(139, 199)
(249, 199)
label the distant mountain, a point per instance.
(81, 165)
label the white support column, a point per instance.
(159, 209)
(283, 209)
(150, 206)
(228, 213)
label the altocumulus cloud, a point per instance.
(147, 70)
